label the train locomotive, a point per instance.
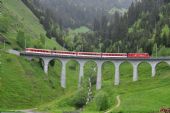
(87, 54)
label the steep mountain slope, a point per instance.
(15, 19)
(23, 84)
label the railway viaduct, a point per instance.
(99, 61)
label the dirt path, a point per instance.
(27, 111)
(117, 105)
(118, 101)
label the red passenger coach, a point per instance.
(89, 54)
(32, 50)
(51, 52)
(138, 55)
(114, 55)
(64, 53)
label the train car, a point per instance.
(28, 50)
(32, 50)
(114, 55)
(64, 53)
(51, 52)
(89, 54)
(102, 55)
(138, 55)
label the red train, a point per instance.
(88, 54)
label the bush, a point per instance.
(101, 101)
(52, 84)
(3, 25)
(39, 44)
(52, 63)
(93, 80)
(9, 60)
(164, 51)
(21, 39)
(79, 99)
(16, 48)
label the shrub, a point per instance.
(52, 63)
(16, 48)
(52, 84)
(93, 80)
(79, 99)
(21, 39)
(101, 101)
(9, 60)
(4, 24)
(164, 51)
(39, 44)
(54, 48)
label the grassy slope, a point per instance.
(21, 18)
(75, 32)
(147, 95)
(23, 84)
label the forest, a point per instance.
(143, 28)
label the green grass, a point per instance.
(23, 83)
(72, 33)
(25, 16)
(19, 17)
(81, 29)
(146, 95)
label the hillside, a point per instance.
(14, 19)
(24, 85)
(145, 96)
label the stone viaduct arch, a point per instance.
(99, 62)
